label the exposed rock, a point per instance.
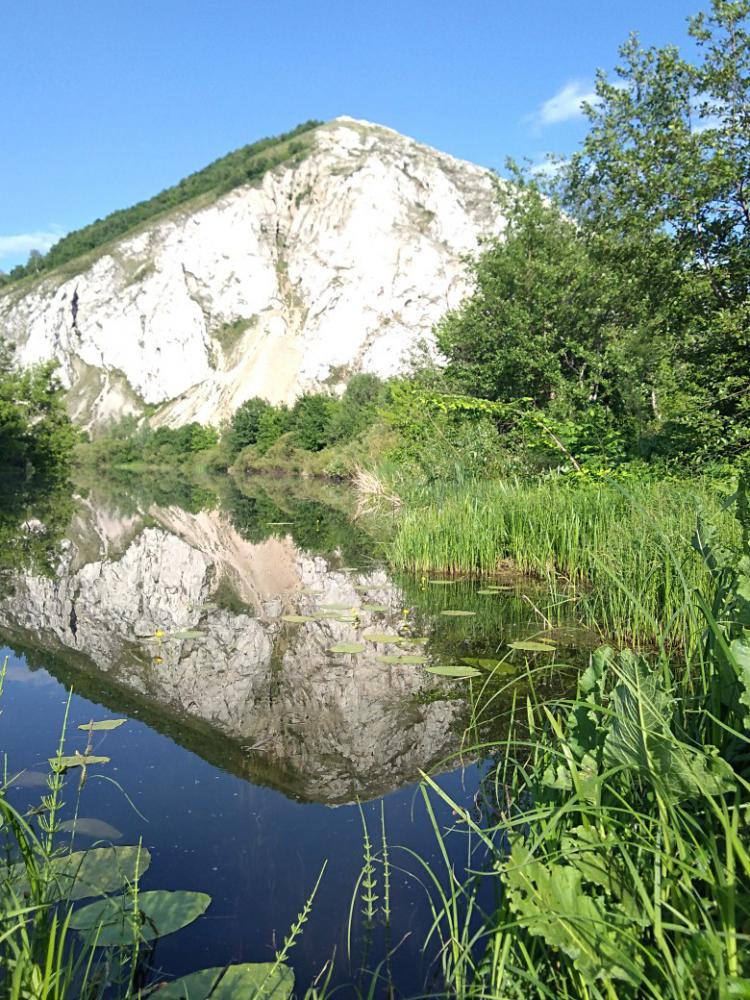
(339, 263)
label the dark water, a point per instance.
(248, 745)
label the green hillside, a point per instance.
(242, 166)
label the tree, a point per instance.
(663, 184)
(246, 423)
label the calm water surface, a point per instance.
(249, 745)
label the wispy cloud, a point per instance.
(565, 105)
(21, 243)
(548, 167)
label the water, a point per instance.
(248, 745)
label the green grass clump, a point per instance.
(613, 826)
(624, 549)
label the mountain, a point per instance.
(286, 268)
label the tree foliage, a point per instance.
(620, 298)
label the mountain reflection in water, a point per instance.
(225, 675)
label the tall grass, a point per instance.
(624, 550)
(616, 825)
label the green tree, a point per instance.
(663, 184)
(311, 418)
(246, 423)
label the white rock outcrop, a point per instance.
(339, 263)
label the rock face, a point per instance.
(318, 727)
(337, 264)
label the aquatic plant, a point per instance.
(621, 551)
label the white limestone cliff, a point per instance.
(339, 263)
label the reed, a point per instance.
(623, 551)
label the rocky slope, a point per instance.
(339, 262)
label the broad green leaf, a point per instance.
(458, 614)
(487, 663)
(381, 637)
(411, 659)
(740, 650)
(640, 739)
(457, 670)
(78, 760)
(96, 872)
(375, 607)
(491, 592)
(90, 827)
(160, 913)
(325, 608)
(104, 725)
(531, 646)
(297, 619)
(550, 902)
(250, 981)
(348, 647)
(407, 640)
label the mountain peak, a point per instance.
(336, 251)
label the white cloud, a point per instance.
(548, 167)
(22, 243)
(565, 105)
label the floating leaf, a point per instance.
(105, 724)
(89, 827)
(250, 981)
(441, 583)
(486, 663)
(325, 608)
(188, 633)
(381, 637)
(408, 640)
(348, 647)
(457, 670)
(297, 619)
(458, 614)
(348, 569)
(532, 646)
(375, 607)
(90, 873)
(79, 760)
(160, 913)
(405, 659)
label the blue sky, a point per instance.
(106, 102)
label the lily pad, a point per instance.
(335, 607)
(348, 647)
(297, 619)
(79, 760)
(458, 614)
(251, 981)
(441, 583)
(85, 826)
(532, 646)
(381, 637)
(91, 873)
(375, 607)
(490, 590)
(161, 912)
(408, 640)
(103, 725)
(405, 659)
(456, 670)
